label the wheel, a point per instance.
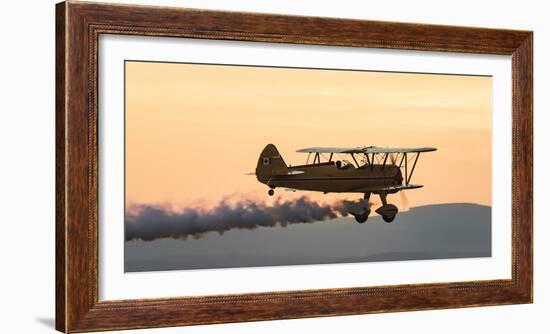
(361, 217)
(388, 212)
(271, 192)
(388, 219)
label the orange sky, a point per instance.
(194, 131)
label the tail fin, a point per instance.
(270, 160)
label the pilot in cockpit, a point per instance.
(344, 164)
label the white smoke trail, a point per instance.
(150, 222)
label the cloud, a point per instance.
(150, 222)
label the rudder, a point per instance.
(270, 160)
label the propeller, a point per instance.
(404, 200)
(402, 194)
(393, 158)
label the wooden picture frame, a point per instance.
(78, 26)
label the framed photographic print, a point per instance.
(223, 166)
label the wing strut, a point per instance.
(356, 163)
(385, 160)
(406, 177)
(409, 176)
(401, 162)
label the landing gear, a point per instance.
(388, 219)
(364, 215)
(387, 211)
(271, 192)
(361, 217)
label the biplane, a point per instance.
(367, 170)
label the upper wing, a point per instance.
(365, 149)
(374, 149)
(331, 150)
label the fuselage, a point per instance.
(327, 177)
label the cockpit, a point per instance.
(344, 164)
(320, 159)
